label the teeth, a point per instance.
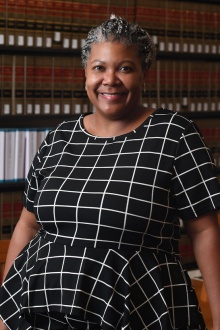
(111, 94)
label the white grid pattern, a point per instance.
(108, 248)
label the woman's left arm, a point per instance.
(204, 233)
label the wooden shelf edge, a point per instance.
(33, 121)
(12, 186)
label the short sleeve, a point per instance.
(34, 177)
(194, 184)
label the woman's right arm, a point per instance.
(26, 228)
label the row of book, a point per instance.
(42, 85)
(17, 150)
(56, 85)
(183, 85)
(175, 25)
(10, 209)
(183, 26)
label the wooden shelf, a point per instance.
(40, 51)
(12, 186)
(170, 56)
(201, 114)
(33, 121)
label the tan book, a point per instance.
(30, 31)
(150, 93)
(66, 36)
(172, 25)
(21, 10)
(38, 85)
(2, 30)
(39, 33)
(7, 84)
(20, 34)
(67, 84)
(30, 84)
(3, 11)
(11, 23)
(177, 86)
(76, 11)
(47, 84)
(184, 85)
(169, 85)
(19, 85)
(6, 215)
(67, 11)
(214, 85)
(78, 74)
(57, 84)
(75, 36)
(20, 21)
(58, 11)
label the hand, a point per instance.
(3, 326)
(216, 327)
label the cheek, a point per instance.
(92, 82)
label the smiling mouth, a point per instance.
(112, 95)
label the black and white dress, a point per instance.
(109, 210)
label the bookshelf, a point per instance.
(42, 81)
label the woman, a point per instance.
(100, 226)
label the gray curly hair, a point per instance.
(118, 29)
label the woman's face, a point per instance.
(114, 79)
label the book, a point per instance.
(2, 155)
(9, 154)
(19, 159)
(19, 88)
(57, 85)
(47, 84)
(7, 84)
(31, 149)
(29, 84)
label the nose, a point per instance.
(110, 78)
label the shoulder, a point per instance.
(166, 116)
(65, 128)
(70, 122)
(170, 121)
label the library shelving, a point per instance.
(42, 80)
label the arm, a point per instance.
(204, 234)
(25, 230)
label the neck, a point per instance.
(108, 127)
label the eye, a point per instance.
(98, 68)
(125, 69)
